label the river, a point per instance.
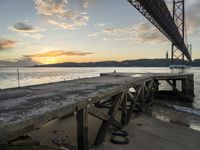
(33, 75)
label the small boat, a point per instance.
(179, 66)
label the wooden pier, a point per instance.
(26, 108)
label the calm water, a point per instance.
(33, 76)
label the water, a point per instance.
(33, 76)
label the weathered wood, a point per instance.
(116, 123)
(188, 87)
(173, 85)
(104, 117)
(156, 86)
(23, 109)
(124, 110)
(82, 128)
(132, 100)
(150, 90)
(105, 125)
(98, 114)
(104, 103)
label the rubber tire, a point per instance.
(119, 132)
(113, 140)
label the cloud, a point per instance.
(18, 62)
(27, 30)
(192, 13)
(85, 4)
(100, 25)
(7, 44)
(56, 56)
(142, 32)
(59, 13)
(145, 32)
(61, 25)
(33, 36)
(193, 17)
(22, 27)
(93, 34)
(58, 53)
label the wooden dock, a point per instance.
(26, 108)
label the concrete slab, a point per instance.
(147, 133)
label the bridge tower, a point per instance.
(179, 19)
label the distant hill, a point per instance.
(196, 63)
(125, 63)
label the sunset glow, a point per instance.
(55, 31)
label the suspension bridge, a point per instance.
(27, 108)
(171, 24)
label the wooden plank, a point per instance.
(132, 98)
(98, 114)
(105, 125)
(104, 117)
(116, 123)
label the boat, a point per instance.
(179, 66)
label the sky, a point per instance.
(56, 31)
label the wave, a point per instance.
(187, 109)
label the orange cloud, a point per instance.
(59, 53)
(6, 44)
(56, 56)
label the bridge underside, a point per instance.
(157, 12)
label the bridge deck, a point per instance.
(23, 109)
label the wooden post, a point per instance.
(188, 87)
(143, 96)
(82, 128)
(132, 100)
(156, 86)
(183, 86)
(124, 110)
(174, 85)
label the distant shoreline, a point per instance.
(160, 62)
(126, 63)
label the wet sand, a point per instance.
(64, 129)
(147, 133)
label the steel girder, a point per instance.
(179, 19)
(157, 12)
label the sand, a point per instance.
(147, 133)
